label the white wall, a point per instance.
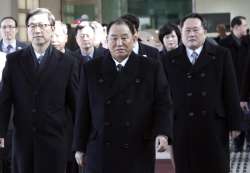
(235, 7)
(5, 8)
(53, 5)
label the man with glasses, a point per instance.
(8, 30)
(41, 83)
(206, 101)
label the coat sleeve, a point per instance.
(231, 94)
(83, 117)
(5, 100)
(163, 105)
(72, 89)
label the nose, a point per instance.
(119, 41)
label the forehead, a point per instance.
(119, 29)
(192, 22)
(8, 22)
(39, 18)
(243, 21)
(86, 30)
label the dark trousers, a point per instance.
(239, 141)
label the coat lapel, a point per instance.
(49, 66)
(28, 65)
(115, 82)
(205, 57)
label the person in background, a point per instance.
(140, 48)
(8, 44)
(170, 37)
(59, 40)
(206, 100)
(221, 30)
(239, 46)
(8, 30)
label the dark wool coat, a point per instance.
(41, 97)
(206, 105)
(120, 114)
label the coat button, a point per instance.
(203, 93)
(107, 124)
(128, 101)
(189, 76)
(203, 112)
(127, 124)
(173, 61)
(213, 58)
(189, 94)
(34, 110)
(35, 93)
(100, 80)
(191, 114)
(137, 80)
(125, 146)
(203, 75)
(34, 129)
(108, 102)
(107, 144)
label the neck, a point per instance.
(8, 41)
(236, 34)
(88, 50)
(40, 48)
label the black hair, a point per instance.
(167, 29)
(197, 16)
(121, 21)
(237, 20)
(133, 19)
(9, 17)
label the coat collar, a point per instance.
(179, 57)
(35, 76)
(115, 81)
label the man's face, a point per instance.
(39, 30)
(120, 41)
(85, 38)
(59, 38)
(193, 33)
(8, 30)
(242, 29)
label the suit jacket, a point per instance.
(40, 97)
(19, 45)
(241, 59)
(148, 51)
(206, 106)
(119, 114)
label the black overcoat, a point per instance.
(41, 97)
(120, 113)
(206, 106)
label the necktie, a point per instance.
(87, 57)
(194, 57)
(119, 67)
(39, 59)
(9, 47)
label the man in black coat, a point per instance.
(238, 44)
(8, 44)
(124, 103)
(140, 48)
(41, 83)
(206, 101)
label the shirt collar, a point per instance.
(39, 54)
(190, 51)
(91, 53)
(13, 44)
(123, 63)
(136, 47)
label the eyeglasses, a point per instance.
(8, 27)
(41, 26)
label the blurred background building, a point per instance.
(152, 13)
